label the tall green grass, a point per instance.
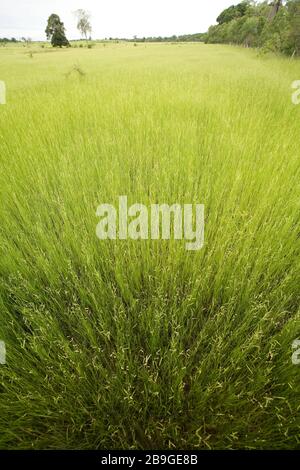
(142, 344)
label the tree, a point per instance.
(26, 40)
(233, 12)
(227, 15)
(55, 31)
(275, 8)
(83, 22)
(249, 31)
(293, 18)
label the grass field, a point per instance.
(141, 344)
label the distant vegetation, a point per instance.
(272, 26)
(198, 37)
(4, 40)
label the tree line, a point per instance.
(198, 37)
(4, 40)
(273, 26)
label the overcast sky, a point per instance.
(111, 18)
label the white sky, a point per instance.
(111, 18)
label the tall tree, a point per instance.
(56, 32)
(235, 11)
(275, 8)
(83, 22)
(293, 8)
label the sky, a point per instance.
(111, 18)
